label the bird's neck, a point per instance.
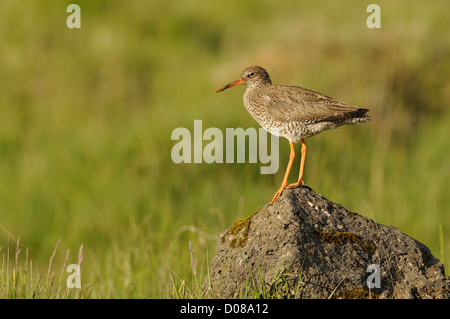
(258, 85)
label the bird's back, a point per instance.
(296, 112)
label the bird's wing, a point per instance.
(293, 103)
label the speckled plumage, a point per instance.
(293, 112)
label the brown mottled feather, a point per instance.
(291, 111)
(294, 103)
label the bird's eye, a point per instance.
(251, 75)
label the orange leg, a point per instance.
(302, 165)
(286, 175)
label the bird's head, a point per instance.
(251, 77)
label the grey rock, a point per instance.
(305, 246)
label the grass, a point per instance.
(278, 288)
(21, 279)
(87, 115)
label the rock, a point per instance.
(305, 246)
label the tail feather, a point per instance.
(358, 115)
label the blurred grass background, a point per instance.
(86, 117)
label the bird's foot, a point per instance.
(277, 194)
(295, 185)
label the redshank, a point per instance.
(293, 112)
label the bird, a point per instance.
(293, 112)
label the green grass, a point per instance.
(86, 118)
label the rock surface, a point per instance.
(305, 246)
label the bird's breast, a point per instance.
(256, 104)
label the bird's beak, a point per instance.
(237, 82)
